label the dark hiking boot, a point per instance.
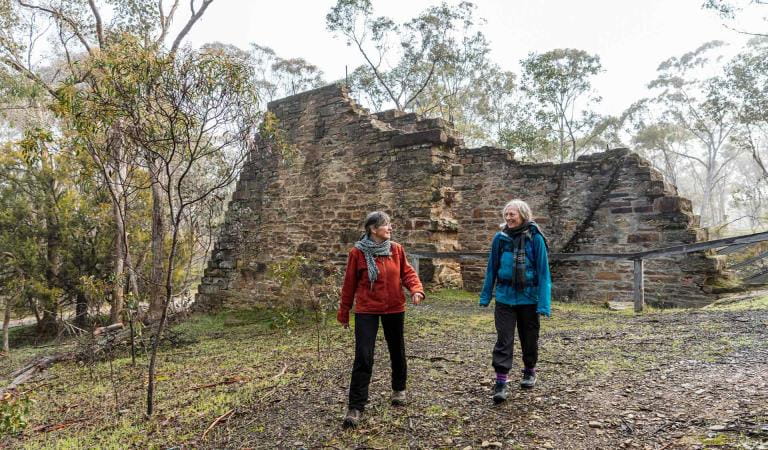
(352, 418)
(500, 392)
(529, 379)
(398, 398)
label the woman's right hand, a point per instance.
(343, 318)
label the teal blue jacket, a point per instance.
(538, 290)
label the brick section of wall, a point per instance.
(348, 163)
(603, 203)
(442, 197)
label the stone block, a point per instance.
(672, 204)
(636, 238)
(227, 264)
(435, 136)
(608, 276)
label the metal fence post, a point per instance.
(415, 264)
(639, 287)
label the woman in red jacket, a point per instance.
(376, 272)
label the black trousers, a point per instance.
(366, 328)
(527, 321)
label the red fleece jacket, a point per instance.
(386, 297)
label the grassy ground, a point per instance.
(663, 379)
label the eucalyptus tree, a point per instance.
(747, 82)
(698, 103)
(195, 112)
(735, 11)
(202, 114)
(81, 30)
(279, 77)
(560, 82)
(431, 64)
(660, 140)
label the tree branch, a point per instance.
(424, 85)
(165, 21)
(195, 17)
(99, 27)
(30, 75)
(60, 16)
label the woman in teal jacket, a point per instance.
(518, 269)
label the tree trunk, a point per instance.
(163, 316)
(116, 309)
(131, 269)
(158, 245)
(81, 310)
(53, 243)
(119, 209)
(33, 306)
(6, 326)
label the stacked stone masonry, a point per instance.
(344, 162)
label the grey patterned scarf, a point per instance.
(370, 249)
(519, 235)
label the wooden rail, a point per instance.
(731, 243)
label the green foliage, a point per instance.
(747, 80)
(276, 139)
(435, 64)
(690, 97)
(49, 219)
(309, 284)
(560, 82)
(14, 413)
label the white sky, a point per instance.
(631, 36)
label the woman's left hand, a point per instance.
(417, 298)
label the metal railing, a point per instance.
(726, 245)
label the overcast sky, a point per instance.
(631, 37)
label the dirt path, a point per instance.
(606, 380)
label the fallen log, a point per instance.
(36, 366)
(105, 339)
(108, 329)
(228, 380)
(57, 426)
(108, 337)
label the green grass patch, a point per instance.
(718, 440)
(226, 360)
(452, 296)
(238, 359)
(756, 303)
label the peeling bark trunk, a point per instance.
(119, 270)
(119, 209)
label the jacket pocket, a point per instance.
(507, 267)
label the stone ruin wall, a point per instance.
(443, 197)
